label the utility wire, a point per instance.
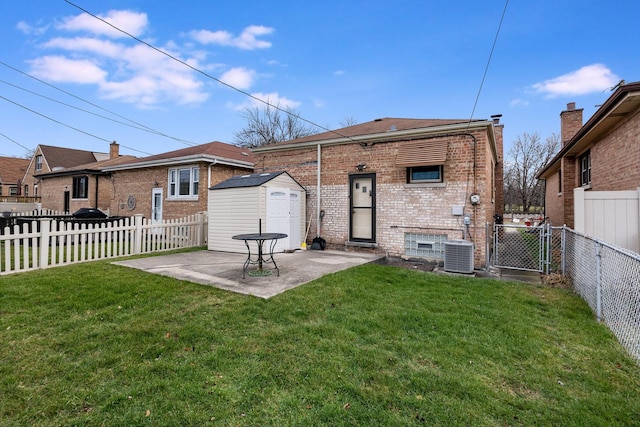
(15, 142)
(207, 74)
(486, 69)
(137, 125)
(145, 129)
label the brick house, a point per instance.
(601, 155)
(48, 158)
(174, 184)
(69, 188)
(397, 186)
(12, 171)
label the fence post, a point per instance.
(137, 234)
(45, 242)
(563, 250)
(487, 233)
(549, 241)
(598, 281)
(200, 238)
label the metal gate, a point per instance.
(519, 247)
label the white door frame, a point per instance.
(156, 208)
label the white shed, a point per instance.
(240, 204)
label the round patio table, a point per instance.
(261, 257)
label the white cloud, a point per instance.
(339, 72)
(30, 29)
(92, 45)
(588, 79)
(272, 98)
(239, 77)
(247, 40)
(133, 23)
(61, 69)
(519, 103)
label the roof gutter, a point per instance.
(181, 160)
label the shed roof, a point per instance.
(253, 180)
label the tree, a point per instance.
(526, 158)
(270, 124)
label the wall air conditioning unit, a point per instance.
(458, 256)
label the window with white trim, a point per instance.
(183, 182)
(39, 162)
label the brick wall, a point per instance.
(400, 207)
(554, 200)
(139, 183)
(615, 159)
(53, 189)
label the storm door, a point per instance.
(362, 205)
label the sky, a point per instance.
(69, 79)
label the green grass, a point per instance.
(98, 344)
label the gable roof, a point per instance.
(212, 152)
(253, 180)
(384, 128)
(12, 169)
(624, 101)
(60, 157)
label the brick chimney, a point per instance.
(570, 122)
(499, 169)
(114, 150)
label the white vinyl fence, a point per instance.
(45, 242)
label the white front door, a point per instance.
(156, 208)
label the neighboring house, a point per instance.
(174, 184)
(47, 158)
(12, 171)
(603, 155)
(398, 186)
(67, 189)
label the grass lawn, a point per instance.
(98, 344)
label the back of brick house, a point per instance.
(601, 155)
(417, 177)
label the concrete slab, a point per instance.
(223, 270)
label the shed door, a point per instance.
(283, 216)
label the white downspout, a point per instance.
(318, 191)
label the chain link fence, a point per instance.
(605, 276)
(608, 279)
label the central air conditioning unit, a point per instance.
(458, 256)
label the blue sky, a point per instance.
(329, 60)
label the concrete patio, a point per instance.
(223, 270)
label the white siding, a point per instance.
(238, 211)
(232, 211)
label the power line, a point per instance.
(138, 125)
(54, 120)
(15, 142)
(486, 68)
(207, 74)
(145, 129)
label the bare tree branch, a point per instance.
(268, 124)
(526, 158)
